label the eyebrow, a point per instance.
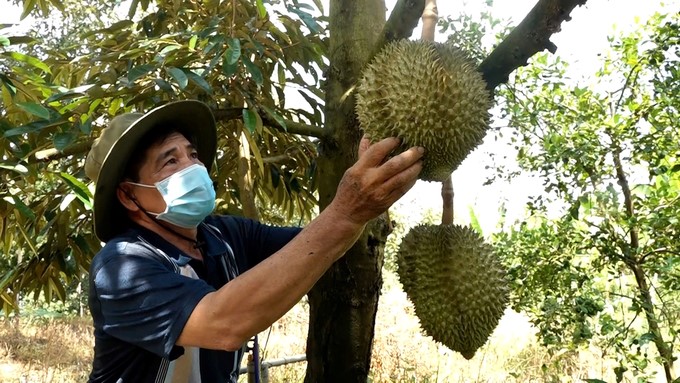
(164, 155)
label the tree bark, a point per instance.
(634, 263)
(344, 302)
(531, 36)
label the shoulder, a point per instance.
(231, 224)
(241, 225)
(127, 248)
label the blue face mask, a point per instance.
(189, 196)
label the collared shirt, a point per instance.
(143, 290)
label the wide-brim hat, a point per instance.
(108, 159)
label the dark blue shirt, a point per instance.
(140, 302)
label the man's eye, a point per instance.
(171, 161)
(194, 155)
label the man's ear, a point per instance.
(126, 197)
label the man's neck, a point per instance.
(186, 241)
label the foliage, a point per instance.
(237, 56)
(597, 261)
(475, 34)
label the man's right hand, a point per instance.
(375, 181)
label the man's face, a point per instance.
(161, 161)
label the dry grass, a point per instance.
(60, 350)
(47, 351)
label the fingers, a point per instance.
(364, 144)
(403, 182)
(375, 154)
(404, 160)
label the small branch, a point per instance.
(447, 199)
(293, 127)
(430, 17)
(531, 36)
(53, 154)
(403, 20)
(227, 114)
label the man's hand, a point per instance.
(374, 182)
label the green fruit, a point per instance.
(457, 286)
(429, 95)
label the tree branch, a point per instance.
(225, 114)
(293, 127)
(403, 20)
(531, 36)
(53, 154)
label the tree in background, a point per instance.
(605, 269)
(239, 57)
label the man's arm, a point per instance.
(226, 318)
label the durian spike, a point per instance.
(430, 16)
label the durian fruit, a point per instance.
(427, 94)
(456, 284)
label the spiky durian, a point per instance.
(457, 286)
(427, 94)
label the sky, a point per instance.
(579, 43)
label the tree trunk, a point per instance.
(653, 323)
(343, 304)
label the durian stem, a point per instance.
(447, 198)
(430, 16)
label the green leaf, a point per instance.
(79, 188)
(261, 11)
(250, 120)
(594, 381)
(179, 76)
(277, 117)
(164, 85)
(19, 168)
(229, 69)
(474, 222)
(28, 60)
(85, 125)
(8, 84)
(306, 18)
(23, 209)
(14, 40)
(139, 71)
(192, 42)
(4, 41)
(200, 81)
(63, 140)
(32, 127)
(233, 53)
(35, 109)
(254, 71)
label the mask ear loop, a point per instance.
(196, 243)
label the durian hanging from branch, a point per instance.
(457, 285)
(432, 95)
(427, 94)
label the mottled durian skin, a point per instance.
(428, 94)
(457, 285)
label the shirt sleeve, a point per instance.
(143, 300)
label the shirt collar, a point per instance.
(214, 244)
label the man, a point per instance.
(176, 292)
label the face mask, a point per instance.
(188, 194)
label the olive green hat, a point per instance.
(107, 160)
